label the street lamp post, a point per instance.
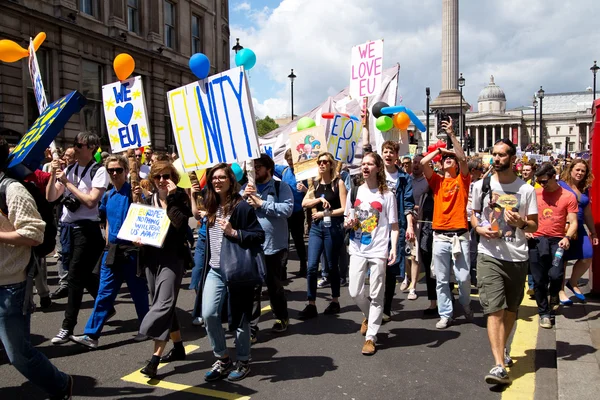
(427, 99)
(461, 84)
(566, 147)
(540, 95)
(292, 76)
(594, 69)
(535, 103)
(237, 46)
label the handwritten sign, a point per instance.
(29, 153)
(213, 121)
(366, 69)
(36, 79)
(125, 114)
(343, 138)
(150, 224)
(306, 146)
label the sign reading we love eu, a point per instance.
(125, 114)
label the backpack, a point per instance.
(45, 209)
(95, 167)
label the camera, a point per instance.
(70, 202)
(441, 117)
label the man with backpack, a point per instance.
(82, 185)
(21, 229)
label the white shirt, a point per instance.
(86, 183)
(375, 213)
(144, 171)
(392, 180)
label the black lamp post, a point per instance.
(237, 46)
(594, 69)
(566, 147)
(461, 84)
(535, 103)
(540, 95)
(292, 76)
(427, 98)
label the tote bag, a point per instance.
(242, 266)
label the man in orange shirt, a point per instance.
(451, 231)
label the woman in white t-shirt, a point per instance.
(370, 215)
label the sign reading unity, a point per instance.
(149, 224)
(213, 121)
(366, 69)
(36, 79)
(306, 146)
(125, 114)
(343, 138)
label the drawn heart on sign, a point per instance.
(124, 113)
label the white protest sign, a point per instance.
(36, 79)
(213, 121)
(306, 146)
(150, 224)
(366, 69)
(125, 114)
(343, 138)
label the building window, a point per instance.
(197, 28)
(43, 58)
(90, 7)
(571, 146)
(225, 55)
(170, 32)
(557, 145)
(133, 16)
(557, 130)
(91, 87)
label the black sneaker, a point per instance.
(332, 309)
(497, 376)
(280, 325)
(310, 311)
(67, 394)
(45, 302)
(175, 354)
(60, 293)
(242, 369)
(220, 370)
(253, 334)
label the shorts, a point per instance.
(501, 283)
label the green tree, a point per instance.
(265, 125)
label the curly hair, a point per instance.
(587, 180)
(211, 198)
(381, 182)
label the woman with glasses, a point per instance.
(577, 178)
(165, 267)
(326, 195)
(229, 218)
(120, 258)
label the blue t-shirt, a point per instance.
(286, 174)
(115, 205)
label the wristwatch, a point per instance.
(568, 237)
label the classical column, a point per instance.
(587, 136)
(450, 44)
(476, 128)
(519, 139)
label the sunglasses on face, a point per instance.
(165, 177)
(448, 157)
(79, 145)
(543, 181)
(148, 153)
(323, 162)
(219, 178)
(112, 171)
(138, 156)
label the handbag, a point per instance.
(242, 266)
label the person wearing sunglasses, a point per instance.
(144, 168)
(82, 186)
(451, 231)
(557, 207)
(120, 258)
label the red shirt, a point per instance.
(553, 208)
(40, 178)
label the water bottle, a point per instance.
(558, 256)
(326, 216)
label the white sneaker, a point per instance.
(443, 323)
(412, 295)
(61, 337)
(86, 341)
(198, 321)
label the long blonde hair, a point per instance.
(332, 165)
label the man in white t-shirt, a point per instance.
(82, 186)
(371, 216)
(509, 210)
(144, 168)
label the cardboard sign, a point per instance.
(366, 69)
(412, 149)
(213, 121)
(36, 79)
(343, 138)
(150, 224)
(306, 146)
(125, 114)
(29, 153)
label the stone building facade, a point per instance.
(83, 38)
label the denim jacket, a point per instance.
(405, 204)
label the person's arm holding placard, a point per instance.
(178, 209)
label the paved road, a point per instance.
(317, 359)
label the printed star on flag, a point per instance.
(112, 123)
(137, 94)
(144, 132)
(110, 103)
(137, 114)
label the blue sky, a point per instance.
(524, 44)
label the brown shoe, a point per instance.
(364, 326)
(368, 348)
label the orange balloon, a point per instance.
(401, 120)
(38, 40)
(123, 66)
(11, 51)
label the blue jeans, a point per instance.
(14, 334)
(199, 255)
(442, 261)
(111, 280)
(213, 298)
(328, 240)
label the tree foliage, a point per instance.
(265, 125)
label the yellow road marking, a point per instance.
(139, 378)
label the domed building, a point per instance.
(491, 99)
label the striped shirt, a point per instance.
(216, 238)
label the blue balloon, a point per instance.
(393, 110)
(200, 65)
(415, 120)
(245, 58)
(237, 171)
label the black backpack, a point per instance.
(45, 209)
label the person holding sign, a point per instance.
(229, 218)
(165, 267)
(120, 258)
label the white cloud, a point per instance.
(241, 7)
(273, 107)
(542, 42)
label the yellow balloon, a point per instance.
(123, 66)
(11, 51)
(38, 40)
(184, 178)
